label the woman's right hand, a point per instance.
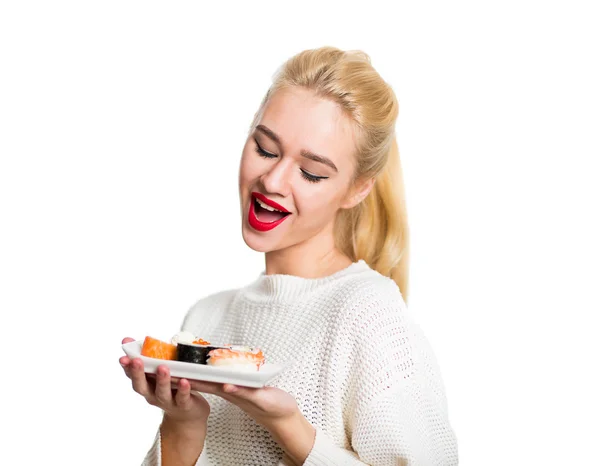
(181, 407)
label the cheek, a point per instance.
(248, 170)
(318, 205)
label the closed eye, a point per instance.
(264, 153)
(312, 178)
(306, 175)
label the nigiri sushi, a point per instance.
(239, 358)
(158, 349)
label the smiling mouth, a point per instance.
(266, 213)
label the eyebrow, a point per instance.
(305, 153)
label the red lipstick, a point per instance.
(255, 222)
(269, 202)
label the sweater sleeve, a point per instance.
(153, 457)
(395, 399)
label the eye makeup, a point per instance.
(305, 174)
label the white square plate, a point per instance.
(191, 371)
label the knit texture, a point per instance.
(361, 370)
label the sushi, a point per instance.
(186, 347)
(158, 349)
(197, 353)
(187, 337)
(183, 337)
(237, 358)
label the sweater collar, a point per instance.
(280, 287)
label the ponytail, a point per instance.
(376, 230)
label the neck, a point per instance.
(315, 258)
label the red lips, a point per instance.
(269, 202)
(255, 222)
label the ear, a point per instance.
(355, 196)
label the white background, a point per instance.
(121, 128)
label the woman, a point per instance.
(322, 196)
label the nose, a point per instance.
(278, 179)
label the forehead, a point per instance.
(305, 121)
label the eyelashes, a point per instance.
(312, 178)
(306, 175)
(264, 153)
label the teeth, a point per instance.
(267, 207)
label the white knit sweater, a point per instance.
(361, 371)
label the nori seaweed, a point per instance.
(194, 354)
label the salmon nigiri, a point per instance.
(158, 349)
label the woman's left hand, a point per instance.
(274, 409)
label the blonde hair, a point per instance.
(376, 230)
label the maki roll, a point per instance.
(238, 358)
(194, 353)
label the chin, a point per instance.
(257, 243)
(266, 241)
(255, 246)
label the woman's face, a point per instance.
(299, 159)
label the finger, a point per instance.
(138, 378)
(127, 340)
(125, 364)
(183, 397)
(163, 386)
